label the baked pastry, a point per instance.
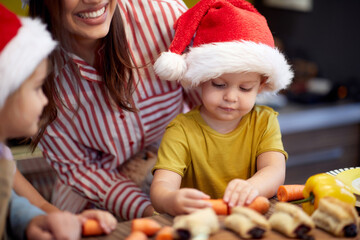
(291, 220)
(336, 217)
(198, 225)
(247, 222)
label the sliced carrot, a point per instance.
(91, 228)
(137, 235)
(287, 193)
(220, 207)
(260, 204)
(165, 233)
(146, 225)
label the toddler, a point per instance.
(228, 147)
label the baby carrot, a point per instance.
(220, 207)
(288, 193)
(91, 228)
(145, 225)
(165, 233)
(137, 235)
(260, 204)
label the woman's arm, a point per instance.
(166, 195)
(24, 188)
(105, 187)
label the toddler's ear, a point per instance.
(262, 83)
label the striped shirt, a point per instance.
(87, 148)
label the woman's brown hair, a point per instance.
(115, 66)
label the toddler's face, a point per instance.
(230, 96)
(21, 112)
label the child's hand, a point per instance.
(58, 225)
(239, 192)
(106, 220)
(187, 200)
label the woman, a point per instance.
(105, 102)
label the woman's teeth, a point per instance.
(94, 14)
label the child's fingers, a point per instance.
(195, 194)
(106, 220)
(192, 199)
(233, 193)
(196, 203)
(229, 190)
(251, 197)
(240, 194)
(188, 210)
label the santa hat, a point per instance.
(24, 43)
(231, 36)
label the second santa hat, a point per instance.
(229, 36)
(24, 43)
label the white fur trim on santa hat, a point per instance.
(22, 55)
(170, 66)
(209, 61)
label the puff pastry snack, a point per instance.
(336, 217)
(291, 220)
(198, 225)
(247, 222)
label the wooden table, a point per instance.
(123, 229)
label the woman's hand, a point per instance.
(240, 192)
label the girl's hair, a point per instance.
(115, 66)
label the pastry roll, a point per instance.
(336, 217)
(291, 220)
(198, 225)
(247, 222)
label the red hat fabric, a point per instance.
(24, 43)
(228, 36)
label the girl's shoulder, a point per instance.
(264, 110)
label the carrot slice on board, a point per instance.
(291, 192)
(146, 225)
(137, 235)
(260, 204)
(165, 233)
(91, 228)
(220, 207)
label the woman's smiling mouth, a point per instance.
(92, 14)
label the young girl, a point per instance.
(24, 47)
(227, 147)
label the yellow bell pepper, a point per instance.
(324, 185)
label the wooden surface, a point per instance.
(123, 229)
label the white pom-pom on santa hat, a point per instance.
(170, 66)
(24, 43)
(229, 36)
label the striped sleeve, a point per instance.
(82, 169)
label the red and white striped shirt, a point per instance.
(87, 148)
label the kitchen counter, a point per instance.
(298, 118)
(320, 138)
